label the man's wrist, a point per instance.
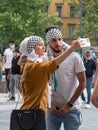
(72, 48)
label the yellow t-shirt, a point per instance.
(34, 82)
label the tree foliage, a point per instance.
(89, 18)
(22, 18)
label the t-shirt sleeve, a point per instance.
(79, 65)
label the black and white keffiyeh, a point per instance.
(53, 33)
(32, 42)
(28, 44)
(23, 46)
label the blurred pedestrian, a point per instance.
(1, 64)
(90, 65)
(8, 55)
(14, 75)
(67, 85)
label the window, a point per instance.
(59, 10)
(71, 28)
(60, 26)
(72, 10)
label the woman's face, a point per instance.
(40, 48)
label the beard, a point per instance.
(58, 49)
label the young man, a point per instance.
(8, 55)
(67, 85)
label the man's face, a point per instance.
(11, 45)
(88, 54)
(56, 45)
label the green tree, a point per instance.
(22, 18)
(89, 19)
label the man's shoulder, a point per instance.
(93, 61)
(73, 58)
(7, 49)
(75, 55)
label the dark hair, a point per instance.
(16, 49)
(49, 28)
(87, 51)
(11, 41)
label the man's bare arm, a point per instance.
(94, 96)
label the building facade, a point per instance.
(69, 20)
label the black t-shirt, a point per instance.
(15, 69)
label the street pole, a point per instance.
(81, 6)
(81, 34)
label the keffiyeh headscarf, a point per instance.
(26, 48)
(53, 33)
(23, 47)
(27, 45)
(32, 42)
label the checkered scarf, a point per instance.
(53, 33)
(32, 42)
(23, 47)
(27, 45)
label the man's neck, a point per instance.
(57, 54)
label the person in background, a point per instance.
(36, 73)
(67, 83)
(8, 55)
(90, 65)
(14, 75)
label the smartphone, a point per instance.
(86, 42)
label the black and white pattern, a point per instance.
(53, 33)
(32, 42)
(23, 46)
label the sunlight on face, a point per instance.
(40, 48)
